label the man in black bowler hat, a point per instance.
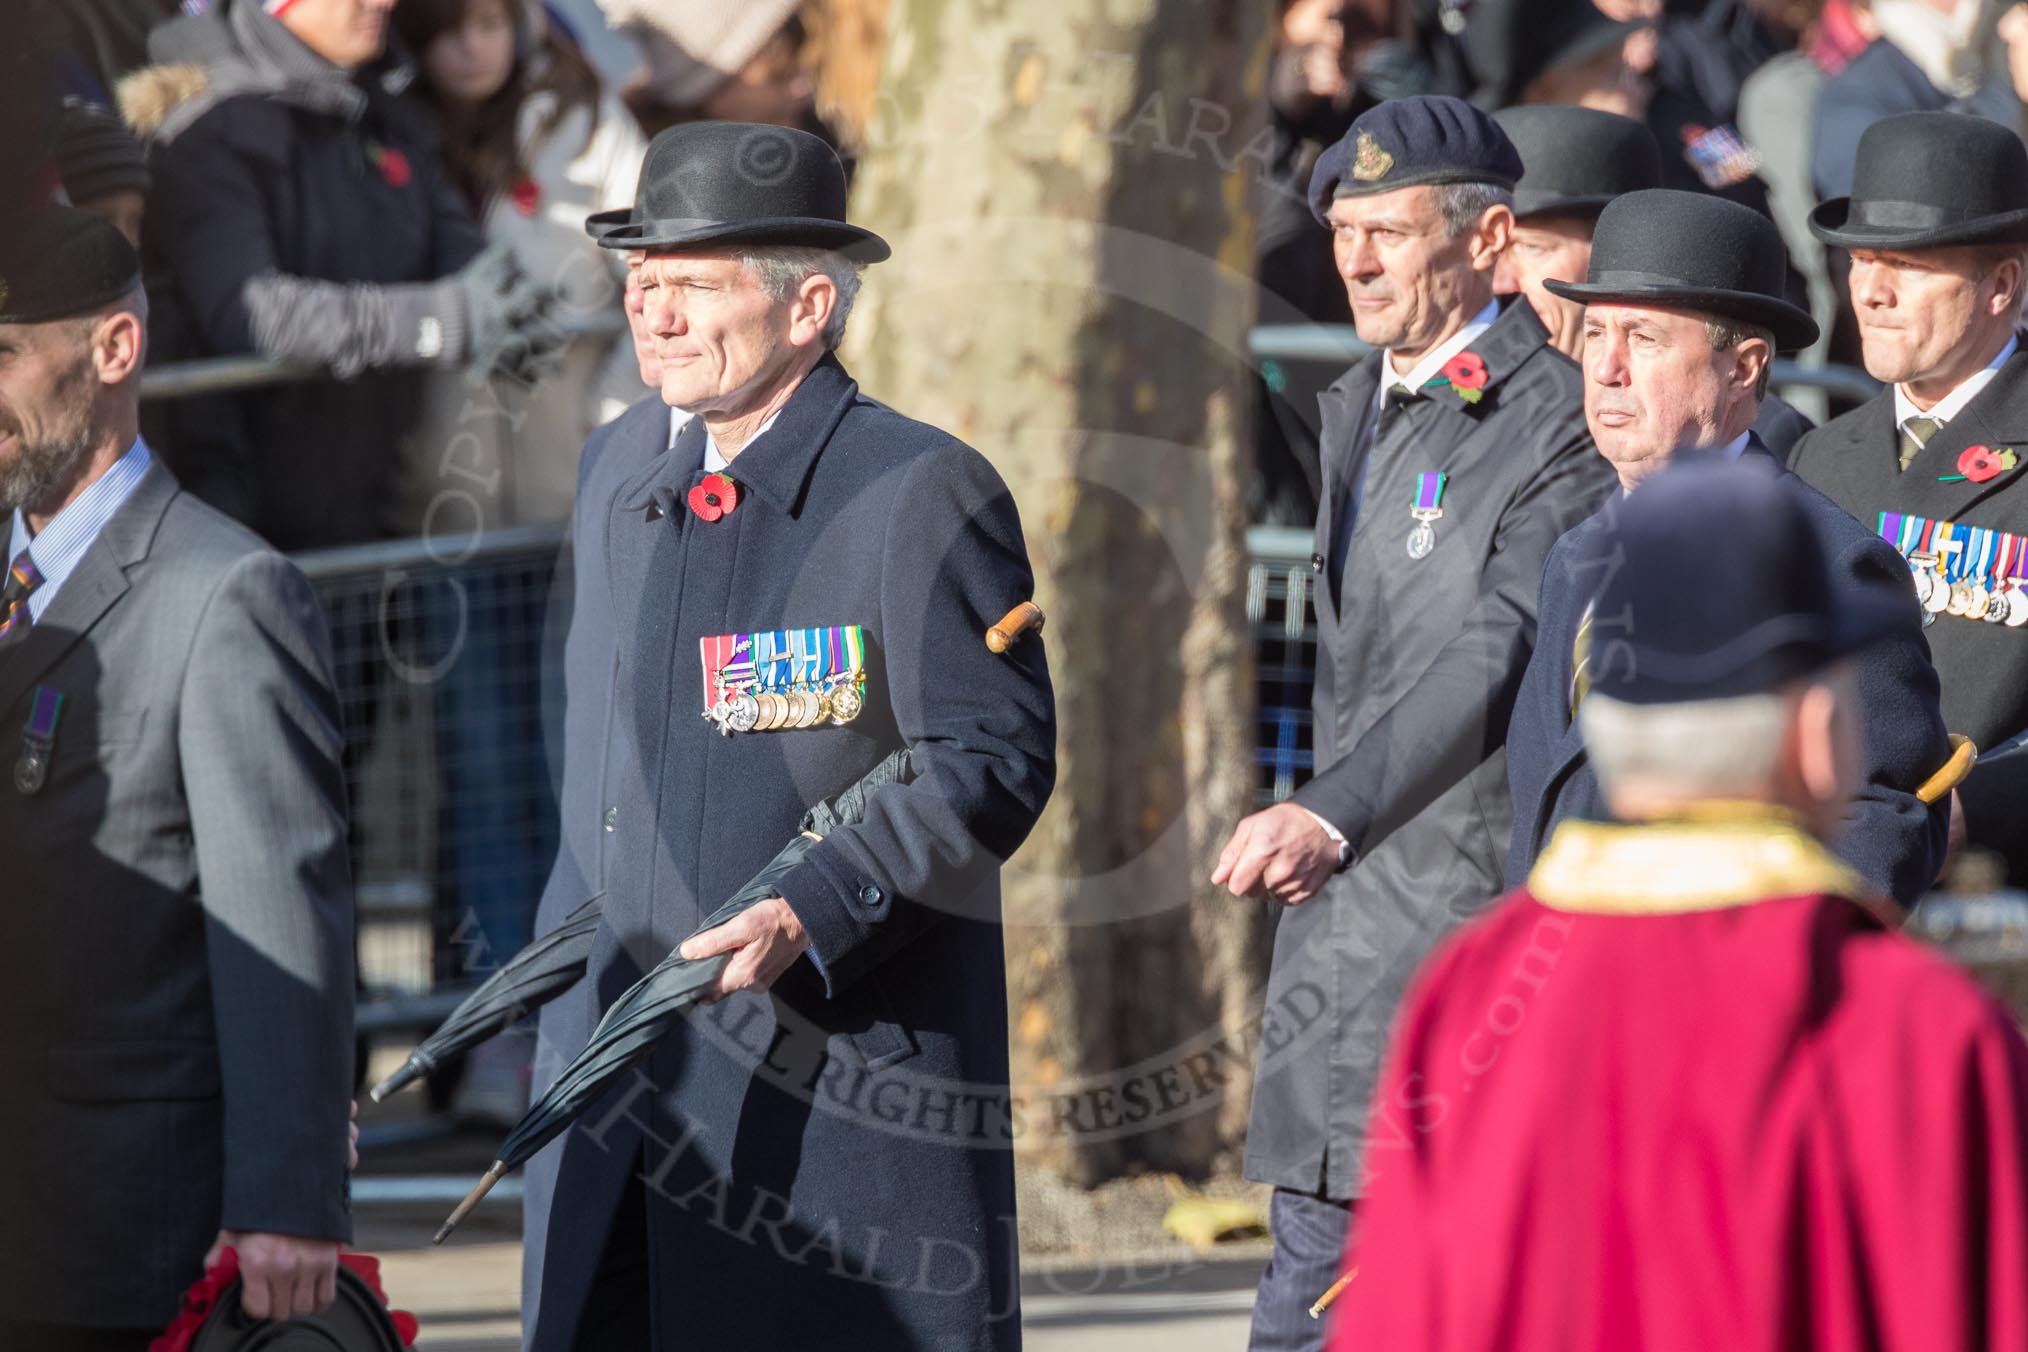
(176, 989)
(1452, 458)
(1937, 229)
(1575, 160)
(1693, 1047)
(1683, 311)
(796, 587)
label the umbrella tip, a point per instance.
(472, 1199)
(396, 1082)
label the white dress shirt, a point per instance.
(1432, 363)
(56, 549)
(714, 459)
(1953, 403)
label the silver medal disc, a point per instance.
(742, 713)
(1421, 540)
(2017, 608)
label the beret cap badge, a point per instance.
(1370, 162)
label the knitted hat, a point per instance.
(693, 46)
(96, 154)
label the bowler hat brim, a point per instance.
(1832, 223)
(1527, 204)
(602, 223)
(1792, 326)
(857, 244)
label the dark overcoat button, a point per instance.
(870, 895)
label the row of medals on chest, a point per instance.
(1966, 598)
(836, 703)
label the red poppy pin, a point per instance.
(1465, 373)
(393, 165)
(526, 196)
(1980, 464)
(715, 497)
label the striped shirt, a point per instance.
(59, 546)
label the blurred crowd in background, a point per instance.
(521, 118)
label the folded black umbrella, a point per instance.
(648, 1008)
(537, 974)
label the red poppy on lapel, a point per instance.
(393, 165)
(526, 196)
(1982, 463)
(715, 497)
(1465, 373)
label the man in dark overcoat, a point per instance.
(1453, 458)
(799, 587)
(1937, 227)
(1684, 309)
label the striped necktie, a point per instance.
(1915, 434)
(22, 580)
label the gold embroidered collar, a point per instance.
(1730, 855)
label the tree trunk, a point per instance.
(1069, 186)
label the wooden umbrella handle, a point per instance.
(1952, 772)
(1324, 1301)
(1016, 622)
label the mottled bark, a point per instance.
(1070, 190)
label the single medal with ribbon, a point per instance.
(1985, 542)
(1905, 534)
(38, 740)
(2017, 586)
(1938, 534)
(1429, 497)
(2003, 563)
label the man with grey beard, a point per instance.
(176, 992)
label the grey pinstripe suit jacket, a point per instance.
(176, 957)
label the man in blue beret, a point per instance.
(1453, 457)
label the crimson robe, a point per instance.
(1687, 1090)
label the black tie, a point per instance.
(685, 457)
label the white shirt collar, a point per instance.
(714, 460)
(1954, 403)
(1433, 360)
(56, 549)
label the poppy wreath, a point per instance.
(203, 1296)
(715, 497)
(1465, 373)
(1981, 464)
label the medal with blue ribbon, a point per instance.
(1429, 497)
(38, 740)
